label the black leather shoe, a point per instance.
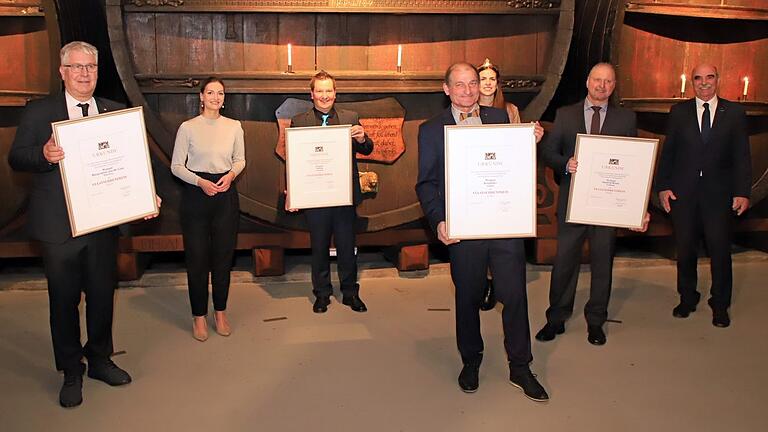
(108, 372)
(595, 335)
(549, 331)
(489, 298)
(354, 303)
(720, 318)
(683, 310)
(522, 378)
(469, 378)
(321, 304)
(71, 393)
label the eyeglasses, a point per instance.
(79, 68)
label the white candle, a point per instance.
(290, 55)
(682, 87)
(746, 86)
(399, 55)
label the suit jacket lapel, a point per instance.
(62, 113)
(722, 107)
(694, 121)
(448, 119)
(610, 115)
(578, 112)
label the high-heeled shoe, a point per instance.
(200, 334)
(489, 297)
(222, 326)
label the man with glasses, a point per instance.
(470, 259)
(87, 263)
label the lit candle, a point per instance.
(290, 55)
(399, 55)
(682, 86)
(746, 86)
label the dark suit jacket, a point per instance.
(559, 144)
(345, 117)
(47, 212)
(724, 160)
(430, 186)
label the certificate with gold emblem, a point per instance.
(612, 184)
(318, 165)
(490, 181)
(106, 170)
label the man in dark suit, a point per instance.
(470, 259)
(87, 263)
(339, 221)
(594, 115)
(704, 175)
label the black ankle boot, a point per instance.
(489, 298)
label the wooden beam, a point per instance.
(269, 261)
(413, 257)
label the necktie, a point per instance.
(473, 113)
(325, 119)
(84, 108)
(594, 128)
(705, 123)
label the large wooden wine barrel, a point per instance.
(652, 43)
(29, 43)
(164, 49)
(732, 35)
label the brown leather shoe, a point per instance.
(200, 328)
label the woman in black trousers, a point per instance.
(209, 153)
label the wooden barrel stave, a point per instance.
(162, 55)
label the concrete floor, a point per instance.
(395, 367)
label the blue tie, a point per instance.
(705, 123)
(325, 119)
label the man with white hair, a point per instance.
(87, 263)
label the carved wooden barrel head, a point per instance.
(29, 43)
(164, 49)
(653, 43)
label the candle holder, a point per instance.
(290, 69)
(399, 69)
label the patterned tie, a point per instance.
(705, 123)
(325, 119)
(594, 128)
(84, 108)
(473, 113)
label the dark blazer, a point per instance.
(47, 212)
(722, 165)
(345, 117)
(559, 144)
(430, 185)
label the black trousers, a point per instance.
(470, 260)
(708, 216)
(339, 222)
(565, 272)
(85, 264)
(209, 227)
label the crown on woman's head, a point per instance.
(487, 63)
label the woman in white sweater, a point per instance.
(208, 155)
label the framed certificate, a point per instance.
(490, 181)
(613, 182)
(318, 165)
(106, 171)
